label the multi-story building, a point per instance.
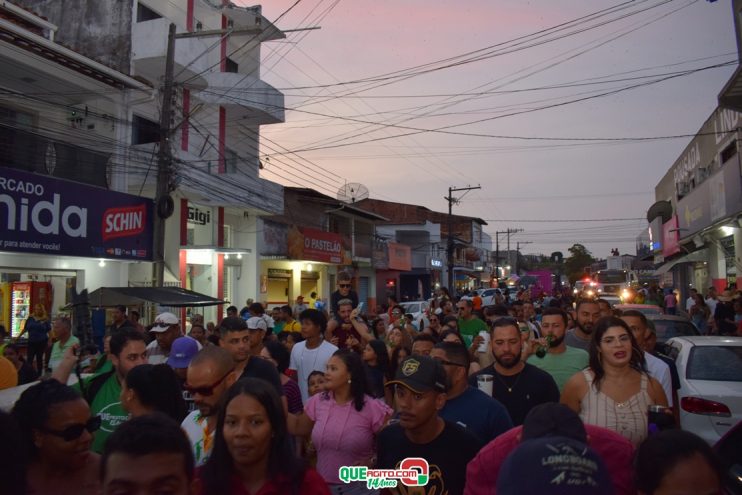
(426, 233)
(64, 121)
(303, 249)
(219, 104)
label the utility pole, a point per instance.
(497, 247)
(451, 200)
(163, 201)
(517, 253)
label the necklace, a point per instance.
(509, 387)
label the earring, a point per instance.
(348, 380)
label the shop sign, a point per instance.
(670, 237)
(400, 257)
(436, 263)
(279, 273)
(44, 215)
(315, 245)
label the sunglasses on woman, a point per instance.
(73, 432)
(207, 391)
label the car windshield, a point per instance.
(650, 310)
(412, 307)
(667, 329)
(610, 277)
(718, 363)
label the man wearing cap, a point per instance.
(181, 353)
(166, 329)
(256, 328)
(552, 420)
(468, 406)
(420, 393)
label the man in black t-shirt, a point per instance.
(344, 291)
(235, 338)
(517, 384)
(420, 392)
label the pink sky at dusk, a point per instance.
(519, 179)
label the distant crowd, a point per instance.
(548, 396)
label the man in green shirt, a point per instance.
(103, 391)
(560, 361)
(469, 324)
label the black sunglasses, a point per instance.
(207, 391)
(73, 432)
(344, 286)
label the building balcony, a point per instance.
(245, 97)
(149, 52)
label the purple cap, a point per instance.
(182, 351)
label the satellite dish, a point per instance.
(352, 192)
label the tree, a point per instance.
(575, 264)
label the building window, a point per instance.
(729, 152)
(231, 66)
(144, 131)
(144, 13)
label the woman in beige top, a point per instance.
(615, 390)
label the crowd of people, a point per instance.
(508, 398)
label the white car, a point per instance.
(710, 371)
(418, 310)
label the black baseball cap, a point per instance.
(552, 419)
(420, 374)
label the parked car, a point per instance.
(647, 309)
(710, 371)
(418, 310)
(729, 450)
(669, 326)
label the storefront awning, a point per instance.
(164, 296)
(695, 256)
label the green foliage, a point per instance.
(579, 258)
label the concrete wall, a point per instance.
(100, 29)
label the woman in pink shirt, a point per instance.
(343, 421)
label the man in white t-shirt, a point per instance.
(691, 300)
(166, 329)
(312, 353)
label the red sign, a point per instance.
(124, 221)
(670, 237)
(322, 246)
(400, 257)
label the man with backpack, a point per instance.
(102, 391)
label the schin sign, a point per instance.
(44, 215)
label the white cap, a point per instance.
(164, 321)
(256, 323)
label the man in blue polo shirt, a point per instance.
(468, 406)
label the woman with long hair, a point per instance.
(700, 314)
(376, 362)
(378, 328)
(253, 452)
(343, 421)
(152, 388)
(397, 337)
(278, 355)
(615, 390)
(38, 327)
(57, 432)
